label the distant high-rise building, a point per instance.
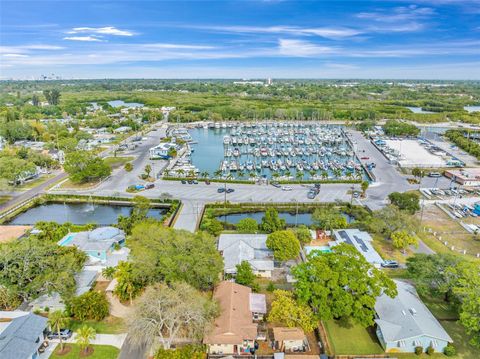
(269, 81)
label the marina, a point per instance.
(280, 151)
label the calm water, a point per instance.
(418, 110)
(120, 103)
(208, 154)
(78, 213)
(472, 108)
(302, 218)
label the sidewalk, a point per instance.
(189, 216)
(115, 340)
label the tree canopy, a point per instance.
(341, 284)
(84, 167)
(164, 254)
(271, 222)
(284, 245)
(328, 218)
(407, 201)
(247, 225)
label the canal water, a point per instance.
(302, 218)
(472, 108)
(208, 154)
(120, 103)
(79, 213)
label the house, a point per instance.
(57, 155)
(236, 248)
(234, 331)
(84, 282)
(465, 176)
(11, 232)
(98, 244)
(290, 339)
(122, 129)
(163, 150)
(404, 322)
(21, 335)
(362, 241)
(258, 306)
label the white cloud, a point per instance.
(107, 30)
(326, 32)
(177, 46)
(301, 48)
(398, 14)
(84, 38)
(14, 55)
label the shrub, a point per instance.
(247, 225)
(46, 309)
(271, 287)
(450, 350)
(418, 350)
(430, 350)
(128, 167)
(90, 305)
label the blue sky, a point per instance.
(425, 39)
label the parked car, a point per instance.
(388, 263)
(434, 174)
(207, 182)
(190, 182)
(275, 184)
(184, 182)
(287, 188)
(64, 334)
(230, 190)
(221, 190)
(195, 182)
(149, 185)
(364, 158)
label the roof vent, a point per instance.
(403, 312)
(413, 311)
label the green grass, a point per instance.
(461, 340)
(4, 199)
(352, 339)
(34, 183)
(100, 352)
(110, 325)
(440, 309)
(115, 162)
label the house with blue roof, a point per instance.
(21, 335)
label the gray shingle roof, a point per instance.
(405, 316)
(245, 247)
(17, 341)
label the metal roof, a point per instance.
(362, 241)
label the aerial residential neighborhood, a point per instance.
(264, 179)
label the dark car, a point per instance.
(389, 264)
(230, 190)
(221, 190)
(195, 182)
(190, 182)
(149, 185)
(184, 182)
(275, 184)
(64, 334)
(207, 182)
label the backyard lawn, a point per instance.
(352, 339)
(99, 352)
(110, 325)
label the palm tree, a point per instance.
(275, 175)
(288, 173)
(312, 173)
(166, 173)
(127, 285)
(108, 272)
(324, 174)
(299, 175)
(58, 320)
(241, 174)
(191, 173)
(84, 335)
(205, 174)
(252, 175)
(217, 173)
(180, 172)
(148, 170)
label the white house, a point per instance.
(236, 248)
(162, 150)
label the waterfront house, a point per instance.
(162, 151)
(234, 331)
(122, 129)
(361, 240)
(21, 335)
(236, 248)
(290, 339)
(404, 322)
(98, 244)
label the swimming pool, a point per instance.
(322, 249)
(67, 240)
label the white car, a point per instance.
(286, 188)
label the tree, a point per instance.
(341, 284)
(32, 267)
(287, 311)
(467, 289)
(109, 272)
(85, 167)
(58, 320)
(284, 244)
(328, 218)
(35, 100)
(434, 274)
(303, 234)
(247, 225)
(403, 239)
(164, 254)
(184, 352)
(166, 313)
(9, 298)
(364, 185)
(84, 335)
(408, 201)
(418, 173)
(128, 167)
(148, 170)
(52, 96)
(390, 219)
(139, 213)
(271, 222)
(15, 169)
(91, 305)
(129, 284)
(245, 274)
